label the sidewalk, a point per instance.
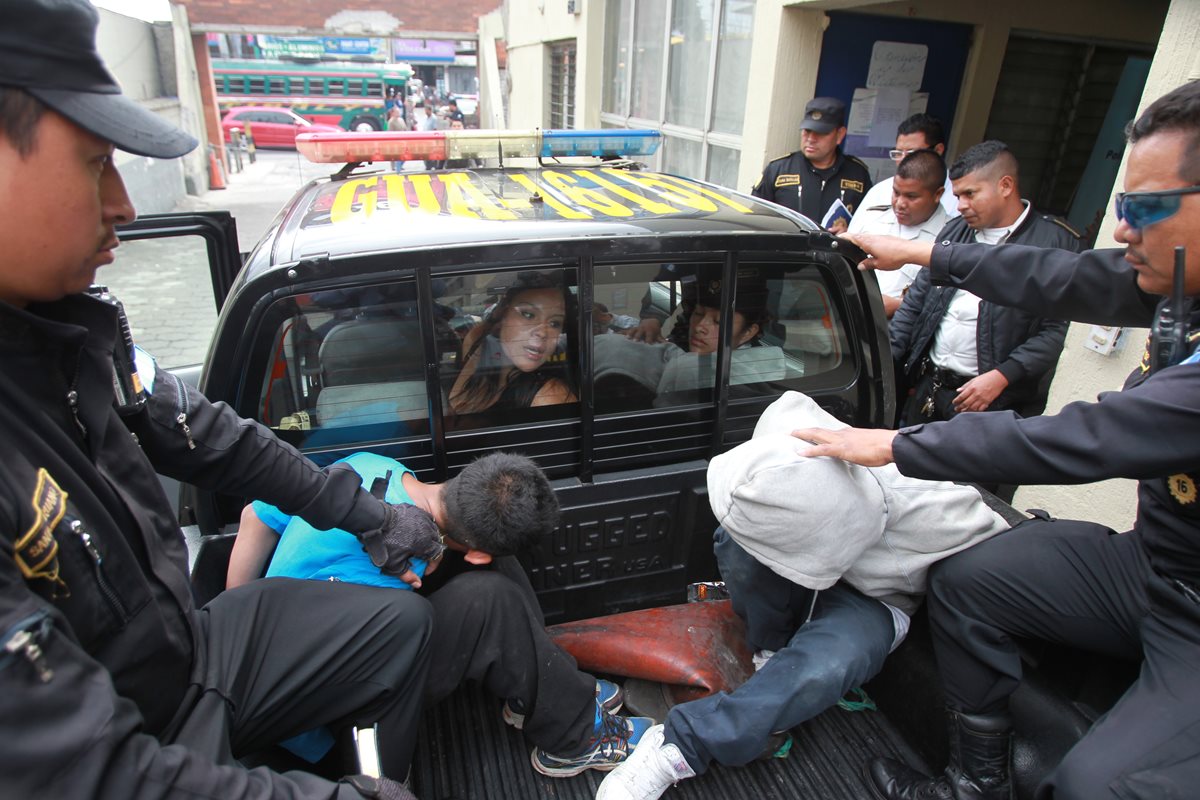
(256, 194)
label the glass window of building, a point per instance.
(682, 67)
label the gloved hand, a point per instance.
(406, 531)
(379, 788)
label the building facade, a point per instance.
(726, 82)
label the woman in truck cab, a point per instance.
(512, 360)
(694, 368)
(704, 325)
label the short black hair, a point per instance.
(501, 504)
(1177, 110)
(928, 126)
(19, 115)
(984, 155)
(925, 166)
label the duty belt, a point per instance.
(943, 378)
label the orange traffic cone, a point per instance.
(216, 171)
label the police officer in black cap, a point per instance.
(112, 682)
(812, 178)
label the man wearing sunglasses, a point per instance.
(918, 132)
(1133, 596)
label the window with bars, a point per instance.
(562, 85)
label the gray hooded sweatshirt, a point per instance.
(817, 520)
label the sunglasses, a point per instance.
(1140, 209)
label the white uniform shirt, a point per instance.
(955, 345)
(882, 220)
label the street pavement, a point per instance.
(164, 283)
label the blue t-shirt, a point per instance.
(305, 552)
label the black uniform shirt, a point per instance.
(794, 182)
(1150, 431)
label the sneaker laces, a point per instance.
(613, 731)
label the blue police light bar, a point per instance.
(350, 146)
(614, 142)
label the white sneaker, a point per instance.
(647, 772)
(760, 658)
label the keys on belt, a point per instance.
(940, 379)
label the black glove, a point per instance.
(406, 531)
(379, 788)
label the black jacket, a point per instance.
(793, 182)
(95, 605)
(1150, 431)
(1022, 345)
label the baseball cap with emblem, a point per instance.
(823, 114)
(48, 49)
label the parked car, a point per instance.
(270, 126)
(344, 331)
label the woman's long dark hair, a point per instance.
(524, 386)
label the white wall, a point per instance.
(530, 26)
(131, 50)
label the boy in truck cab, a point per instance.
(488, 627)
(1134, 596)
(112, 683)
(824, 564)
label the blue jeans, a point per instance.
(842, 645)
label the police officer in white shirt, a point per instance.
(918, 132)
(961, 354)
(914, 212)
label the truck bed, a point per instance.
(466, 752)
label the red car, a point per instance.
(271, 127)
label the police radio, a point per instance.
(129, 395)
(1169, 336)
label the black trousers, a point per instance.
(278, 657)
(1083, 585)
(489, 628)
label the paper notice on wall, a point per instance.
(862, 110)
(897, 65)
(891, 108)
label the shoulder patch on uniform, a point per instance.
(36, 551)
(1062, 223)
(859, 161)
(779, 158)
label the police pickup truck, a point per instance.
(353, 326)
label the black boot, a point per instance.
(980, 747)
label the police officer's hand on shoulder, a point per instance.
(407, 531)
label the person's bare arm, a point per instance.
(251, 549)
